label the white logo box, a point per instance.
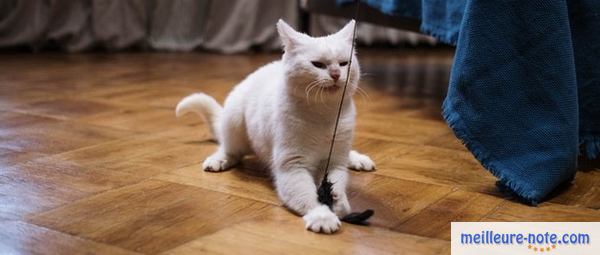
(550, 238)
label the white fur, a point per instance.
(321, 219)
(203, 105)
(360, 162)
(284, 113)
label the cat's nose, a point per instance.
(335, 75)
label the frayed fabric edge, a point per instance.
(515, 187)
(444, 37)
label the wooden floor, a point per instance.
(93, 160)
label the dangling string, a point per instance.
(324, 191)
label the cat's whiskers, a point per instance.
(310, 87)
(321, 90)
(319, 93)
(363, 94)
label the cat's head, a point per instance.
(319, 64)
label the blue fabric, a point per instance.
(524, 91)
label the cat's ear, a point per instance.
(347, 32)
(290, 37)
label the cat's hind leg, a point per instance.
(233, 144)
(360, 162)
(219, 161)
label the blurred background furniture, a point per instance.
(180, 25)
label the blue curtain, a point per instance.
(524, 91)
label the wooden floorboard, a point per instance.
(93, 161)
(18, 237)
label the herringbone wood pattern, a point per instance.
(93, 160)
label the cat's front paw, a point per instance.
(360, 162)
(321, 219)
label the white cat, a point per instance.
(285, 113)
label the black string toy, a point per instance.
(324, 191)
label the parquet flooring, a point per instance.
(93, 161)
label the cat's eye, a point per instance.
(344, 63)
(318, 64)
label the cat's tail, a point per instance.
(205, 106)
